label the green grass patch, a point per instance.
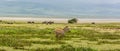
(47, 42)
(108, 42)
(12, 42)
(2, 50)
(67, 48)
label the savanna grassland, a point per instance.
(41, 37)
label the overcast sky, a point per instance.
(61, 7)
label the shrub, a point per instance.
(74, 20)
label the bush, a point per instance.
(74, 20)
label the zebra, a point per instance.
(61, 32)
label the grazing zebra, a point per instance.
(9, 23)
(61, 32)
(31, 22)
(48, 22)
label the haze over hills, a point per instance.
(78, 8)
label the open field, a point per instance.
(41, 37)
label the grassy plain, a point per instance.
(41, 37)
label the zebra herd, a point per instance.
(47, 22)
(44, 22)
